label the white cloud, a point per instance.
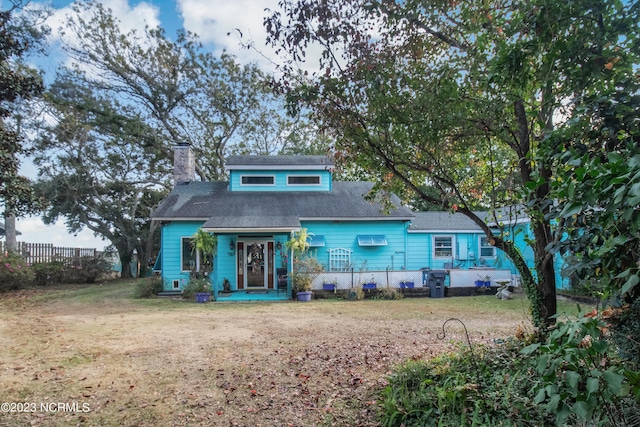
(34, 230)
(213, 23)
(131, 18)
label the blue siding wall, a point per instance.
(280, 180)
(404, 250)
(225, 262)
(467, 253)
(343, 234)
(171, 239)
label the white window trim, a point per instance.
(258, 176)
(453, 245)
(304, 176)
(382, 240)
(493, 248)
(182, 253)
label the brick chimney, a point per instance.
(184, 164)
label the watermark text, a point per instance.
(45, 407)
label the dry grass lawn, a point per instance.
(96, 356)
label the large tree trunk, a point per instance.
(538, 199)
(125, 262)
(10, 231)
(545, 270)
(148, 250)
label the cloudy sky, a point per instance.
(212, 20)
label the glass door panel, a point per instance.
(255, 274)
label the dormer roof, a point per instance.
(279, 163)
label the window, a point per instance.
(443, 246)
(190, 258)
(188, 255)
(486, 250)
(303, 180)
(257, 180)
(372, 240)
(316, 241)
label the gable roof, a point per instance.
(224, 210)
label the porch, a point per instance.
(243, 295)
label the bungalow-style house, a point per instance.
(268, 198)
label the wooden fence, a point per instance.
(45, 252)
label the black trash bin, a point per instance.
(435, 281)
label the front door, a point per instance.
(255, 260)
(256, 264)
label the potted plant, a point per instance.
(484, 281)
(198, 288)
(371, 284)
(407, 284)
(203, 290)
(305, 267)
(331, 286)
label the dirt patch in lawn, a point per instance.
(107, 359)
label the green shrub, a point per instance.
(14, 273)
(196, 284)
(490, 386)
(389, 294)
(88, 270)
(625, 333)
(148, 287)
(46, 273)
(581, 378)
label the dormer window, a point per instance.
(258, 180)
(303, 180)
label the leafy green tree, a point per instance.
(597, 186)
(126, 101)
(99, 170)
(182, 91)
(21, 33)
(462, 95)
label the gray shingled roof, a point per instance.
(222, 209)
(289, 161)
(442, 221)
(448, 221)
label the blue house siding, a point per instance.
(172, 234)
(280, 180)
(344, 234)
(225, 266)
(464, 251)
(404, 250)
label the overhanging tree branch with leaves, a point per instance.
(460, 96)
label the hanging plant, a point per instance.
(206, 244)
